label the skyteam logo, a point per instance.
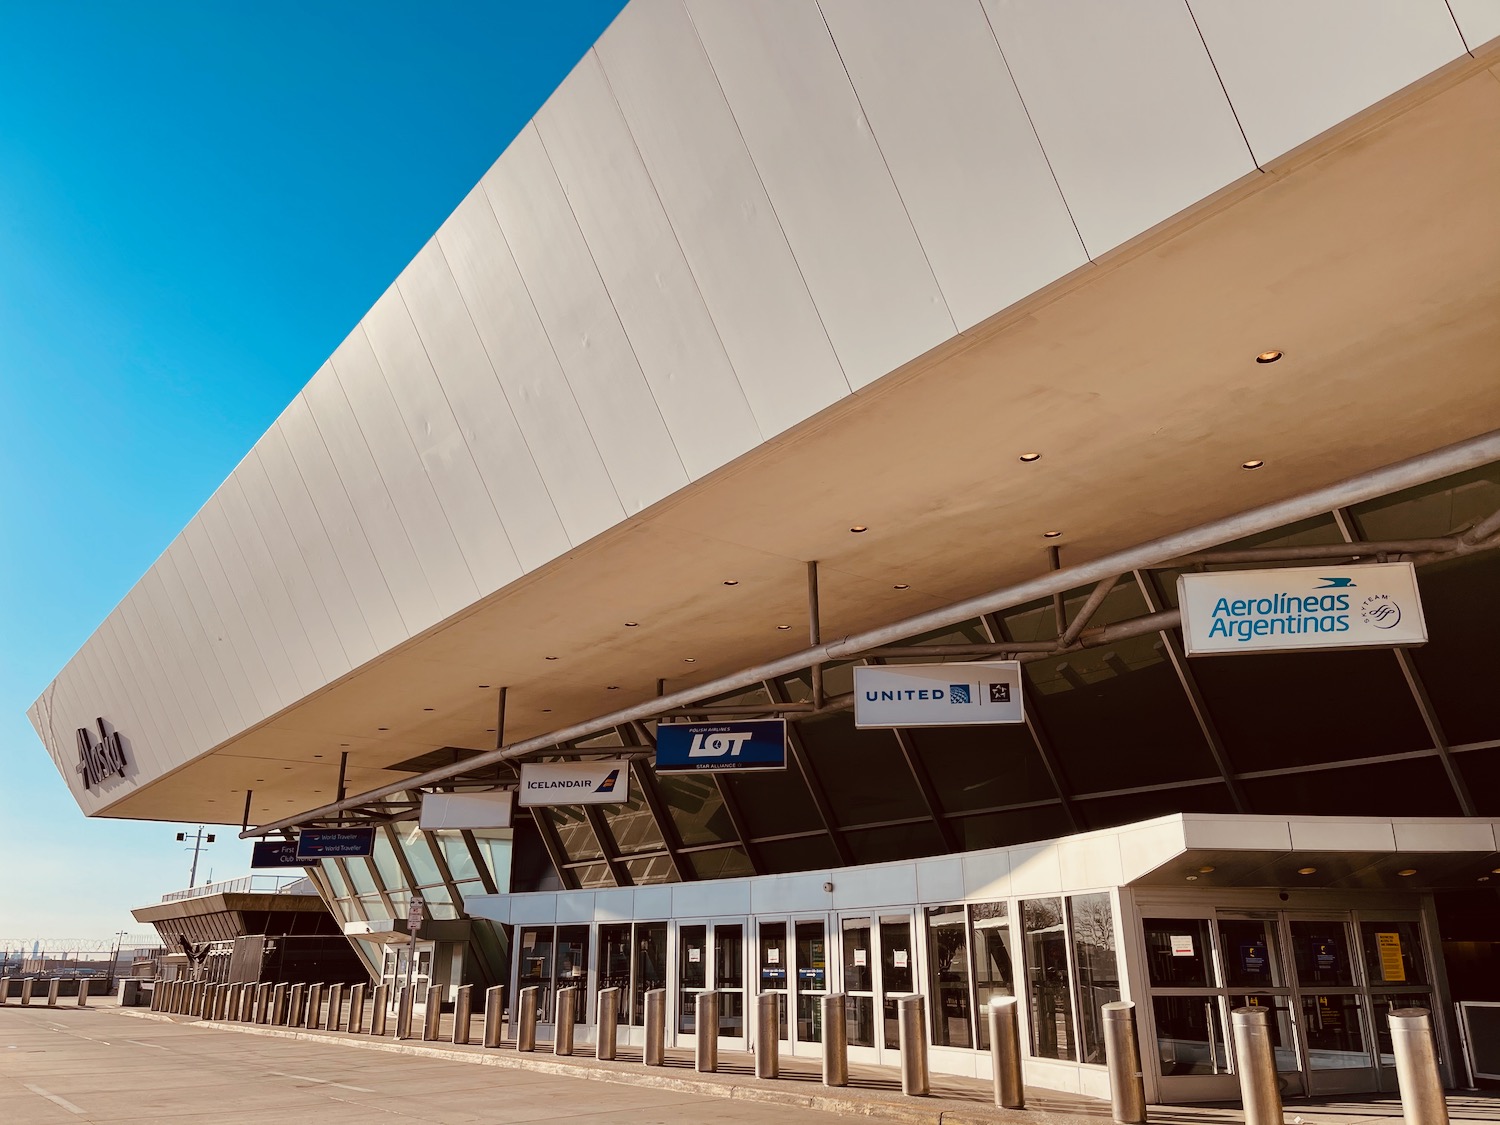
(608, 784)
(1381, 611)
(958, 693)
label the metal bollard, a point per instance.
(26, 987)
(768, 1035)
(1259, 1091)
(567, 1011)
(911, 1027)
(1005, 1052)
(654, 1053)
(494, 1014)
(233, 996)
(335, 1021)
(265, 1001)
(835, 1040)
(406, 1004)
(53, 988)
(706, 1024)
(210, 1001)
(278, 1004)
(294, 1004)
(356, 1024)
(1122, 1054)
(378, 1009)
(609, 1023)
(198, 1005)
(4, 991)
(526, 1019)
(83, 992)
(463, 1011)
(432, 1022)
(314, 1014)
(1417, 1076)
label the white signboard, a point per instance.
(1304, 607)
(938, 695)
(467, 810)
(575, 783)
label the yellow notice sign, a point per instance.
(1392, 968)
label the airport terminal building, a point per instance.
(991, 497)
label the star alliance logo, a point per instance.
(97, 760)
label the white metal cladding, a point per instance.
(726, 219)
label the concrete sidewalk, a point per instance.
(873, 1092)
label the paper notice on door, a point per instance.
(694, 955)
(1392, 967)
(1182, 945)
(861, 958)
(899, 958)
(773, 956)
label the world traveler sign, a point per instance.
(575, 783)
(745, 744)
(1298, 608)
(938, 695)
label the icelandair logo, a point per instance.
(605, 786)
(98, 760)
(608, 784)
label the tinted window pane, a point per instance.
(632, 825)
(1179, 952)
(948, 971)
(1393, 952)
(982, 767)
(1016, 826)
(696, 807)
(1047, 979)
(578, 839)
(863, 771)
(1416, 787)
(898, 841)
(1457, 665)
(774, 803)
(1092, 923)
(993, 960)
(720, 863)
(1107, 812)
(805, 853)
(1481, 769)
(657, 869)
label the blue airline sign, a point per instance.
(275, 853)
(314, 844)
(746, 744)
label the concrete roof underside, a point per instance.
(1371, 257)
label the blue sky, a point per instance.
(197, 202)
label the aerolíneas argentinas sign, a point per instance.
(938, 695)
(98, 760)
(744, 744)
(1301, 608)
(575, 783)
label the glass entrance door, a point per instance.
(1256, 977)
(1336, 1043)
(407, 966)
(878, 954)
(712, 952)
(791, 961)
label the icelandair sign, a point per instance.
(575, 783)
(1301, 608)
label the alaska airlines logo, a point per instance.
(729, 743)
(97, 760)
(608, 784)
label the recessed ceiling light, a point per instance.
(690, 660)
(613, 687)
(731, 581)
(1269, 357)
(489, 730)
(1495, 870)
(1192, 878)
(382, 728)
(1050, 534)
(343, 744)
(317, 755)
(546, 710)
(260, 779)
(1484, 878)
(1307, 871)
(858, 528)
(482, 686)
(427, 708)
(551, 658)
(1206, 870)
(783, 627)
(1254, 464)
(901, 586)
(1407, 871)
(631, 624)
(1030, 457)
(286, 767)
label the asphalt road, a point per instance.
(65, 1066)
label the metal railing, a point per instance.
(245, 885)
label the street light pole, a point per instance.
(114, 964)
(200, 839)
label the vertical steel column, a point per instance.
(278, 1004)
(335, 1020)
(406, 1003)
(912, 1037)
(706, 1024)
(432, 1025)
(609, 1023)
(526, 1019)
(379, 1009)
(567, 1011)
(1127, 1089)
(356, 1024)
(1417, 1076)
(814, 632)
(314, 1015)
(494, 1014)
(53, 987)
(1005, 1052)
(463, 1011)
(654, 1053)
(296, 999)
(1256, 1056)
(768, 1035)
(835, 1040)
(83, 992)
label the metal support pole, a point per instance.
(768, 1035)
(1127, 1089)
(378, 1008)
(814, 631)
(356, 1024)
(526, 1019)
(314, 1016)
(83, 992)
(432, 1025)
(54, 986)
(335, 1007)
(912, 1037)
(609, 1023)
(463, 1011)
(278, 1004)
(1417, 1075)
(654, 1053)
(1005, 1052)
(706, 1024)
(567, 1008)
(296, 1001)
(835, 1040)
(406, 1001)
(1256, 1055)
(26, 987)
(494, 1014)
